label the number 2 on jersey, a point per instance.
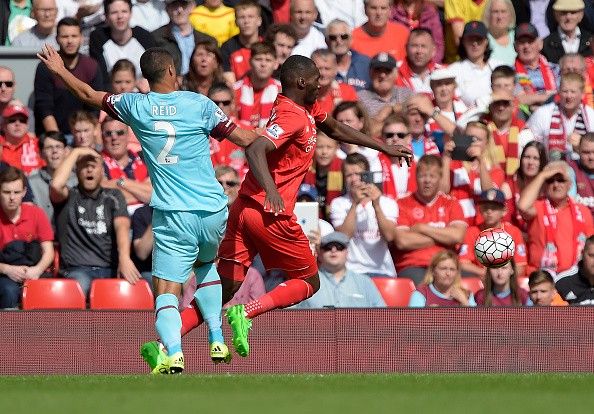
(164, 157)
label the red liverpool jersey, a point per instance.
(292, 129)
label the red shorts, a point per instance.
(278, 239)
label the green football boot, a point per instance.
(240, 325)
(155, 356)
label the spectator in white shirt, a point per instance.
(303, 15)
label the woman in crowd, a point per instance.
(532, 161)
(500, 19)
(354, 115)
(442, 285)
(421, 13)
(501, 288)
(473, 70)
(205, 68)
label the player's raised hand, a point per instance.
(51, 58)
(274, 203)
(400, 152)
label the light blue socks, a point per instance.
(168, 323)
(209, 299)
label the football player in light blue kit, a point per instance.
(190, 208)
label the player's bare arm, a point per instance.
(81, 90)
(256, 156)
(344, 133)
(242, 137)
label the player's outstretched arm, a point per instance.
(344, 133)
(242, 137)
(256, 156)
(81, 90)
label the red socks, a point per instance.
(190, 317)
(286, 294)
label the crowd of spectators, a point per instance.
(494, 97)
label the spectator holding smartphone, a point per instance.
(367, 217)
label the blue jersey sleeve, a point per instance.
(119, 106)
(219, 124)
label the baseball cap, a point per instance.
(12, 110)
(307, 190)
(441, 74)
(475, 28)
(569, 5)
(526, 30)
(493, 195)
(383, 60)
(335, 237)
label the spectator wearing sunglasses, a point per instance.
(229, 180)
(353, 67)
(340, 286)
(19, 146)
(123, 168)
(557, 225)
(7, 88)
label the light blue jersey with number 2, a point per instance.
(173, 131)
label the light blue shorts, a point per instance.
(184, 237)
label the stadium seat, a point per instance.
(396, 292)
(119, 294)
(53, 294)
(474, 284)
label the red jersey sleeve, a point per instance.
(282, 127)
(318, 113)
(467, 247)
(456, 213)
(44, 227)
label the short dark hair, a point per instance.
(540, 276)
(419, 31)
(55, 135)
(123, 65)
(244, 4)
(107, 3)
(68, 21)
(219, 87)
(589, 241)
(82, 116)
(262, 48)
(503, 71)
(11, 174)
(357, 159)
(295, 67)
(285, 29)
(323, 53)
(154, 62)
(430, 160)
(587, 137)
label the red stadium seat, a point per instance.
(474, 284)
(119, 294)
(53, 294)
(396, 292)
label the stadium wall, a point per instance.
(314, 341)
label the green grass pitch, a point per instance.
(303, 394)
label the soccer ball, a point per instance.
(494, 247)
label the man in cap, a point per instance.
(382, 97)
(443, 87)
(19, 147)
(568, 38)
(340, 287)
(537, 76)
(557, 225)
(491, 204)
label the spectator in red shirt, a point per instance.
(256, 92)
(429, 221)
(501, 288)
(557, 225)
(26, 238)
(331, 91)
(20, 147)
(491, 204)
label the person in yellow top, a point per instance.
(457, 14)
(215, 19)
